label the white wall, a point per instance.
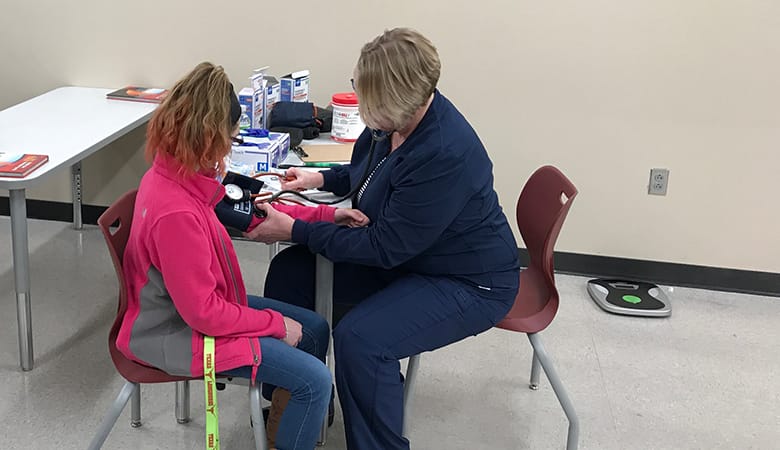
(605, 90)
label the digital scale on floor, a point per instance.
(630, 298)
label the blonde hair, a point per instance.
(395, 75)
(193, 125)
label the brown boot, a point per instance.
(279, 400)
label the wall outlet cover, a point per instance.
(659, 181)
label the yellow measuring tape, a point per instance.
(209, 384)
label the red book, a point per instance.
(18, 165)
(138, 94)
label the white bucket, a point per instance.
(347, 124)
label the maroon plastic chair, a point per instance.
(541, 209)
(120, 215)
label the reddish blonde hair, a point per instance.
(192, 125)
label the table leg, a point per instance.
(21, 259)
(76, 189)
(323, 304)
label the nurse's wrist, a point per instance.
(300, 232)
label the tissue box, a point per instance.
(294, 87)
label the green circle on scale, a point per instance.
(633, 299)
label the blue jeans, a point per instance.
(299, 370)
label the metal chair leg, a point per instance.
(135, 408)
(534, 384)
(409, 385)
(323, 305)
(256, 413)
(572, 440)
(182, 401)
(128, 390)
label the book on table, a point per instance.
(19, 165)
(138, 94)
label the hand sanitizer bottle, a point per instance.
(244, 122)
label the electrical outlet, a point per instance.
(659, 181)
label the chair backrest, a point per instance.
(115, 223)
(541, 209)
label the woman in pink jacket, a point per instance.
(183, 275)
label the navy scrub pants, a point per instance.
(385, 316)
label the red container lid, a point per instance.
(345, 98)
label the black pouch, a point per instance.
(303, 115)
(233, 214)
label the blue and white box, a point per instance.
(257, 82)
(294, 87)
(260, 98)
(260, 154)
(273, 91)
(284, 143)
(259, 157)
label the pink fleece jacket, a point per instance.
(183, 278)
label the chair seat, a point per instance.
(531, 311)
(137, 372)
(150, 375)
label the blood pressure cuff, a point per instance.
(235, 215)
(238, 215)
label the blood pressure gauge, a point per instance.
(236, 194)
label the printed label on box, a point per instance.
(258, 99)
(295, 87)
(261, 155)
(272, 95)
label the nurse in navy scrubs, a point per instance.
(438, 261)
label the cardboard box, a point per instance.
(273, 91)
(284, 143)
(295, 87)
(260, 98)
(260, 157)
(257, 82)
(264, 153)
(255, 106)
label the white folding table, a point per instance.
(68, 124)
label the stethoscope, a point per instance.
(376, 136)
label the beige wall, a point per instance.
(605, 90)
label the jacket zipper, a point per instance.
(255, 355)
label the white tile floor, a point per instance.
(706, 378)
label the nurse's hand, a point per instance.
(300, 180)
(276, 227)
